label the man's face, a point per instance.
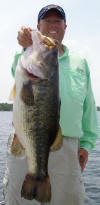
(52, 25)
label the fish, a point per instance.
(36, 114)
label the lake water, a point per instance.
(91, 173)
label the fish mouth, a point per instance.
(35, 65)
(30, 75)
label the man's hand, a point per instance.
(83, 158)
(24, 37)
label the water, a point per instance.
(91, 173)
(5, 128)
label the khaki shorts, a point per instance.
(65, 176)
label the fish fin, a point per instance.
(26, 93)
(16, 147)
(57, 142)
(36, 188)
(13, 93)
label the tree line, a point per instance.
(9, 107)
(98, 108)
(6, 107)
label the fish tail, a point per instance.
(36, 188)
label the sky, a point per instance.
(82, 35)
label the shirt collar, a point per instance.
(66, 51)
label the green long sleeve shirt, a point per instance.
(78, 114)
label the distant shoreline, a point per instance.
(9, 107)
(6, 107)
(98, 108)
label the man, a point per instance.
(78, 120)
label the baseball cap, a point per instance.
(45, 10)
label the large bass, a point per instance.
(36, 113)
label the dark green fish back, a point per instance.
(43, 96)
